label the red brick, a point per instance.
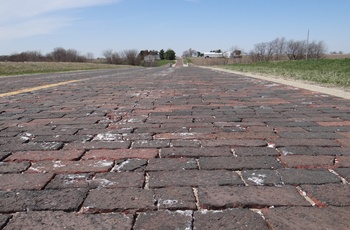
(24, 181)
(334, 123)
(247, 135)
(83, 166)
(120, 154)
(228, 219)
(251, 196)
(14, 167)
(329, 194)
(164, 220)
(195, 152)
(46, 155)
(169, 164)
(25, 200)
(343, 161)
(193, 178)
(306, 142)
(64, 220)
(119, 200)
(184, 136)
(175, 198)
(302, 161)
(233, 142)
(307, 218)
(344, 142)
(238, 163)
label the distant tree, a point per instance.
(170, 55)
(189, 53)
(162, 54)
(90, 56)
(108, 54)
(131, 57)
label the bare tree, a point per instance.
(316, 50)
(189, 53)
(108, 54)
(131, 57)
(296, 50)
(90, 56)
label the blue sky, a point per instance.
(203, 25)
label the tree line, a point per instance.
(57, 55)
(280, 48)
(133, 57)
(127, 57)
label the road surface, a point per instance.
(171, 148)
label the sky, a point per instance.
(203, 25)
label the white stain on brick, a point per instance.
(26, 136)
(103, 163)
(169, 202)
(107, 137)
(58, 164)
(258, 179)
(118, 168)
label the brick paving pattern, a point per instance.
(172, 148)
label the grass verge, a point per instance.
(19, 68)
(329, 71)
(160, 63)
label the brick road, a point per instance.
(171, 148)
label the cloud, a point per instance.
(23, 18)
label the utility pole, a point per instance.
(307, 43)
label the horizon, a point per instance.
(203, 25)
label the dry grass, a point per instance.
(19, 68)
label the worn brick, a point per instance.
(193, 178)
(24, 181)
(175, 198)
(301, 161)
(119, 200)
(83, 166)
(238, 163)
(119, 154)
(195, 152)
(343, 161)
(169, 164)
(32, 146)
(14, 167)
(234, 142)
(185, 143)
(3, 155)
(251, 196)
(134, 164)
(262, 177)
(255, 151)
(329, 194)
(63, 220)
(3, 220)
(307, 218)
(247, 135)
(184, 136)
(117, 180)
(228, 219)
(151, 144)
(46, 155)
(305, 176)
(344, 172)
(164, 220)
(25, 200)
(61, 181)
(95, 145)
(306, 142)
(334, 123)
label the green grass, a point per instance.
(160, 63)
(20, 68)
(329, 71)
